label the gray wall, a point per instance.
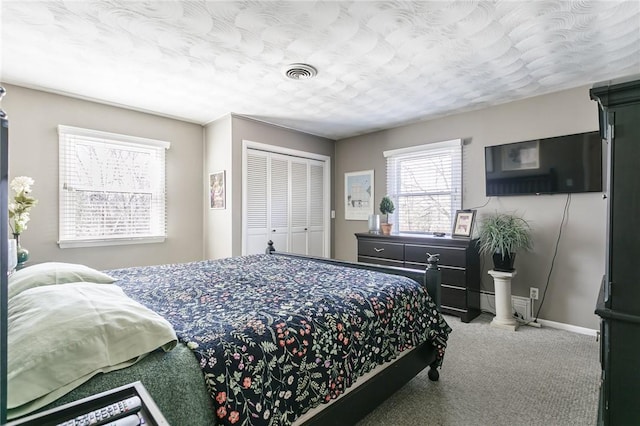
(224, 151)
(579, 265)
(195, 231)
(33, 151)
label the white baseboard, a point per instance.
(487, 304)
(569, 327)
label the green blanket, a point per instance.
(173, 379)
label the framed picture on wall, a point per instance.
(358, 195)
(463, 223)
(217, 190)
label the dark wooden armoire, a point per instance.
(618, 304)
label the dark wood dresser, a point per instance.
(459, 263)
(619, 301)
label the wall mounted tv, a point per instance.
(558, 165)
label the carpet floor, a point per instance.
(490, 376)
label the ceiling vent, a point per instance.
(299, 71)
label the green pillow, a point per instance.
(51, 273)
(61, 336)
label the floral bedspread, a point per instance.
(276, 336)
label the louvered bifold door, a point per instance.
(299, 205)
(317, 213)
(257, 226)
(279, 201)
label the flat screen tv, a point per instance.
(558, 165)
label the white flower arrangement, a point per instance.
(21, 204)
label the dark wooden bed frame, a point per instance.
(351, 407)
(355, 405)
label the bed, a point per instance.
(293, 347)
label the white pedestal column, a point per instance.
(504, 310)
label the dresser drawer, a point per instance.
(380, 261)
(453, 276)
(418, 254)
(454, 297)
(448, 255)
(381, 249)
(416, 266)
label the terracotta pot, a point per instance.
(386, 228)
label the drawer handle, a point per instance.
(378, 250)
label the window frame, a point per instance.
(394, 183)
(66, 165)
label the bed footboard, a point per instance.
(356, 404)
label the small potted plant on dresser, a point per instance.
(386, 207)
(502, 235)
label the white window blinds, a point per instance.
(112, 188)
(425, 184)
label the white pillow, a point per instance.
(50, 273)
(61, 336)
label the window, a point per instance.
(112, 188)
(425, 185)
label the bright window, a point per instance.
(425, 184)
(112, 188)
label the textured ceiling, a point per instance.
(380, 63)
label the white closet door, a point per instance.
(279, 201)
(299, 205)
(257, 228)
(285, 199)
(317, 214)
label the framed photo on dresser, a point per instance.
(463, 223)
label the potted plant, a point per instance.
(502, 235)
(386, 207)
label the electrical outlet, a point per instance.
(533, 293)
